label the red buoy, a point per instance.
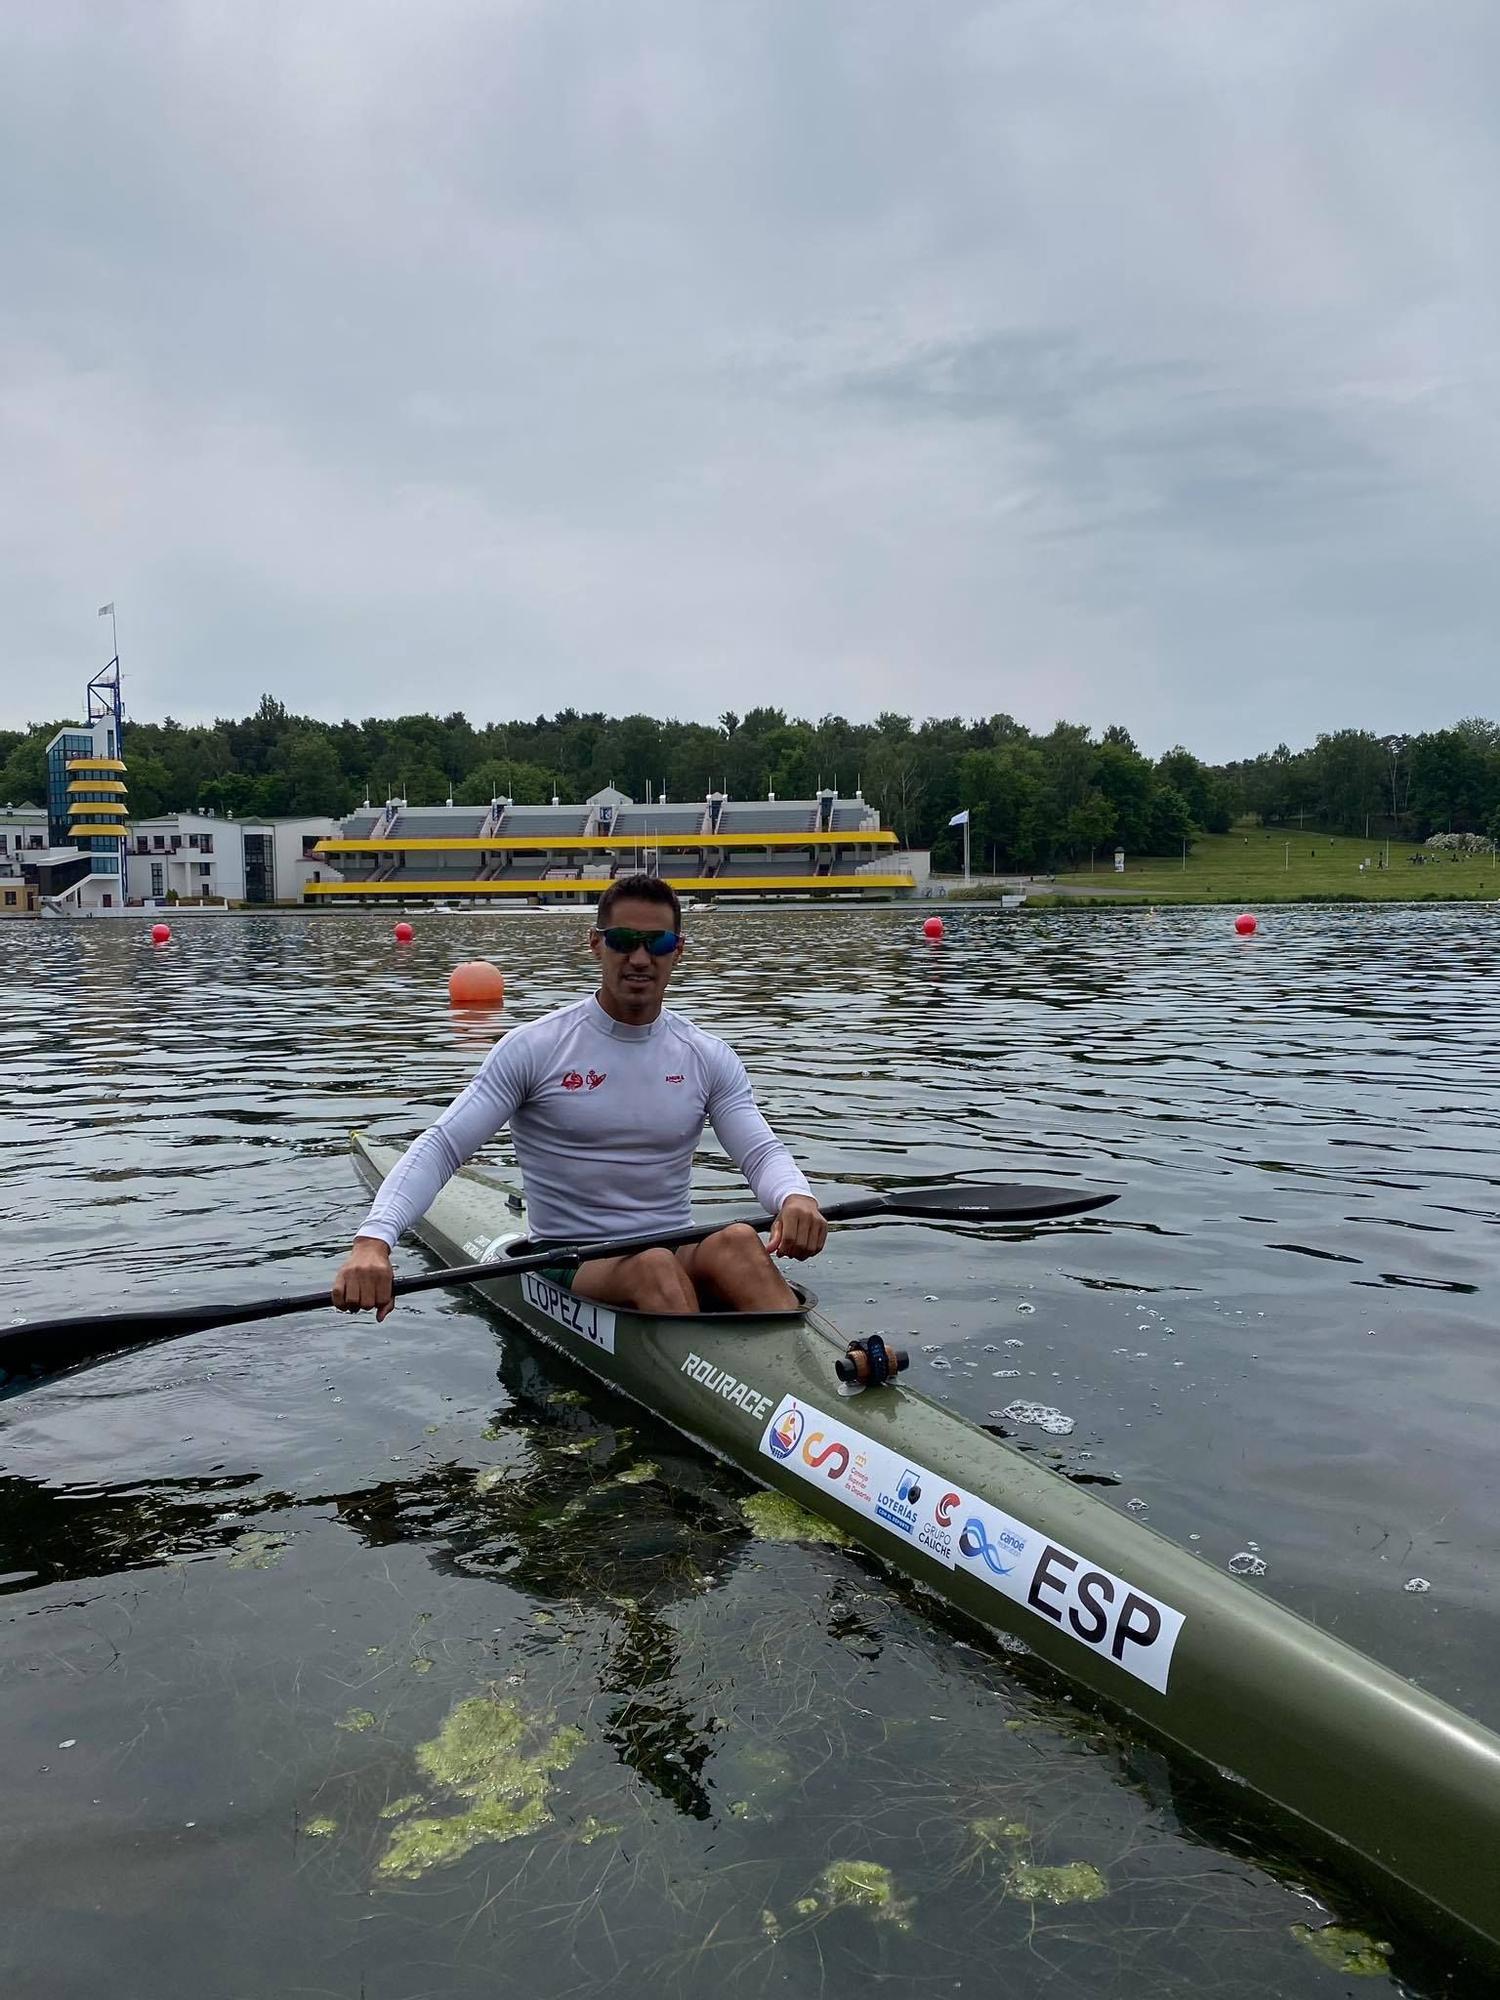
(161, 934)
(1244, 923)
(476, 984)
(933, 927)
(404, 933)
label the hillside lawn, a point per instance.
(1279, 865)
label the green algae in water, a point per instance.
(481, 1755)
(566, 1398)
(594, 1829)
(1345, 1950)
(774, 1518)
(357, 1719)
(1078, 1882)
(319, 1829)
(859, 1885)
(638, 1474)
(999, 1832)
(256, 1549)
(491, 1477)
(399, 1806)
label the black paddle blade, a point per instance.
(1008, 1201)
(33, 1354)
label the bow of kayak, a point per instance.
(1404, 1785)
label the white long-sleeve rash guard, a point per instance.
(605, 1118)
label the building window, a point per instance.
(192, 840)
(156, 883)
(10, 899)
(2, 842)
(205, 868)
(158, 842)
(207, 843)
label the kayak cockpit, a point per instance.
(524, 1246)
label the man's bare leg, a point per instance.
(650, 1281)
(735, 1266)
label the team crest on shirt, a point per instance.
(572, 1080)
(595, 1079)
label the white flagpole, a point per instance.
(966, 850)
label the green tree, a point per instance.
(314, 782)
(1090, 825)
(1171, 820)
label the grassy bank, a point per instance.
(1256, 865)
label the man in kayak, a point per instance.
(606, 1101)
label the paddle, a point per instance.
(50, 1347)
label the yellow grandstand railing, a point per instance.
(603, 843)
(572, 885)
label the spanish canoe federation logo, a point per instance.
(786, 1431)
(572, 1080)
(975, 1543)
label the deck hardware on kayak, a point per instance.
(870, 1362)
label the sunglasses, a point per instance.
(619, 937)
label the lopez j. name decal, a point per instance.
(730, 1387)
(593, 1323)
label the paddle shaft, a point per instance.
(47, 1347)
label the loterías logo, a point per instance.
(572, 1080)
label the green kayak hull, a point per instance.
(1379, 1774)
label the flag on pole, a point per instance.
(960, 819)
(106, 611)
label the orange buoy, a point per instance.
(1244, 923)
(161, 934)
(476, 984)
(404, 933)
(933, 927)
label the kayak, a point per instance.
(1405, 1787)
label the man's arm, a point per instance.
(773, 1174)
(409, 1189)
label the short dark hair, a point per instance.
(639, 889)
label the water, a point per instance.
(244, 1578)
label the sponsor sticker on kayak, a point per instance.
(878, 1483)
(593, 1323)
(1126, 1626)
(1092, 1605)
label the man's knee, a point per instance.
(658, 1283)
(736, 1247)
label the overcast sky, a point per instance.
(1122, 360)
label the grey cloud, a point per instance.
(1125, 363)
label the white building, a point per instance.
(192, 856)
(23, 829)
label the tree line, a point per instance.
(1036, 801)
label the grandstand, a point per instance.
(815, 849)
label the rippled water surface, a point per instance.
(248, 1576)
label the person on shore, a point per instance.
(606, 1100)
